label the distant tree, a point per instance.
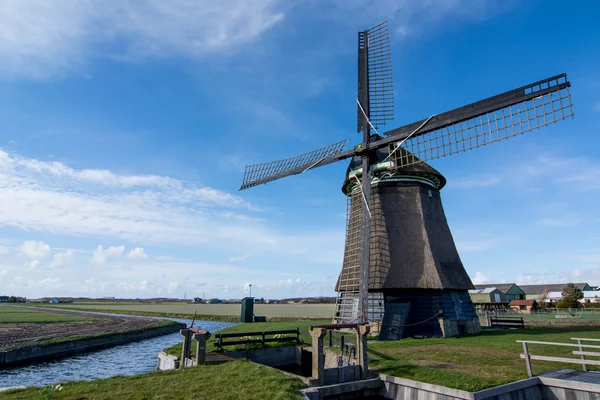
(571, 295)
(542, 300)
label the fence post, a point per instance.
(582, 356)
(297, 335)
(330, 338)
(263, 338)
(527, 360)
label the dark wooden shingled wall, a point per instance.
(411, 244)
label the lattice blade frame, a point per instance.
(380, 94)
(491, 120)
(381, 89)
(258, 174)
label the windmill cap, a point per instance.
(421, 169)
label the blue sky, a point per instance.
(125, 130)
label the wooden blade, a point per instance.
(258, 174)
(484, 122)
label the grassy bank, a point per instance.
(232, 380)
(10, 315)
(474, 362)
(211, 312)
(256, 327)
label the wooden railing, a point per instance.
(507, 322)
(292, 335)
(580, 352)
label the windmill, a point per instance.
(401, 268)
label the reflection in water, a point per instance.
(128, 359)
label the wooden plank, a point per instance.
(506, 388)
(241, 334)
(587, 353)
(589, 339)
(562, 359)
(558, 344)
(570, 384)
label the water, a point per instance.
(128, 359)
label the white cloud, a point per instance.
(44, 37)
(101, 256)
(5, 251)
(34, 250)
(475, 182)
(480, 278)
(137, 254)
(529, 278)
(238, 258)
(560, 221)
(62, 259)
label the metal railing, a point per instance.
(580, 352)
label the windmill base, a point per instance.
(413, 313)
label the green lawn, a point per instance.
(475, 362)
(232, 380)
(10, 314)
(231, 311)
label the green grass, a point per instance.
(588, 315)
(474, 362)
(15, 315)
(231, 380)
(226, 312)
(257, 327)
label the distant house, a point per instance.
(524, 306)
(213, 301)
(535, 291)
(511, 290)
(55, 301)
(487, 295)
(589, 296)
(3, 299)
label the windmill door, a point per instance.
(394, 321)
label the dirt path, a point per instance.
(14, 335)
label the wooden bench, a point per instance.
(292, 335)
(507, 322)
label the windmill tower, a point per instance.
(401, 268)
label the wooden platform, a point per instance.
(217, 358)
(567, 384)
(592, 377)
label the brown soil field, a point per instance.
(14, 334)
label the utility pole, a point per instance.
(250, 286)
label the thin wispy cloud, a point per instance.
(39, 38)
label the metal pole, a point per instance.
(363, 97)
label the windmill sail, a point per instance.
(378, 102)
(258, 174)
(484, 122)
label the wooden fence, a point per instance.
(579, 352)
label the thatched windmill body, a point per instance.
(401, 269)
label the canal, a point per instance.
(128, 359)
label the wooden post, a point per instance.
(527, 360)
(186, 346)
(201, 339)
(263, 339)
(318, 356)
(361, 349)
(582, 356)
